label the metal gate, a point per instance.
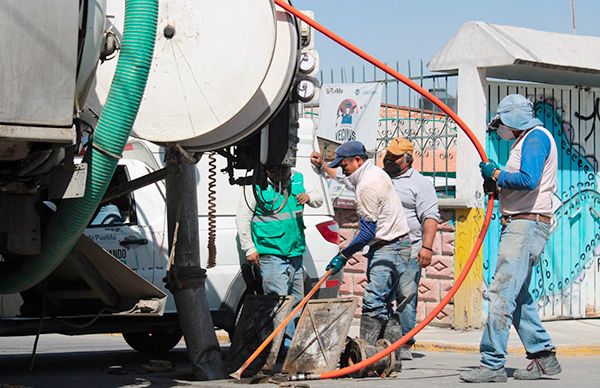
(405, 112)
(566, 283)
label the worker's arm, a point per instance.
(243, 222)
(315, 199)
(317, 160)
(429, 215)
(367, 228)
(426, 252)
(367, 204)
(312, 198)
(366, 233)
(535, 151)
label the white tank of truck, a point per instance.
(220, 70)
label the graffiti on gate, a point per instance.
(577, 219)
(595, 114)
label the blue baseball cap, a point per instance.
(516, 111)
(348, 150)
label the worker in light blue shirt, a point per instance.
(420, 205)
(526, 186)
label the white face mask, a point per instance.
(505, 132)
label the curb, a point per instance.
(563, 351)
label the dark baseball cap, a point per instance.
(347, 150)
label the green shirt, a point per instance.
(280, 232)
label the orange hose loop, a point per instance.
(490, 204)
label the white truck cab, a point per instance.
(133, 228)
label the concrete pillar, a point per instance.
(186, 278)
(472, 108)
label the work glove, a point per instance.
(487, 169)
(337, 263)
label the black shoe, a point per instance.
(405, 353)
(538, 367)
(484, 375)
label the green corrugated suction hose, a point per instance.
(67, 225)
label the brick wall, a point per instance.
(438, 277)
(435, 280)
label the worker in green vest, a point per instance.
(271, 231)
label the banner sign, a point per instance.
(350, 112)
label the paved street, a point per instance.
(84, 361)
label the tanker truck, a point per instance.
(225, 86)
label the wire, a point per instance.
(39, 331)
(260, 202)
(86, 324)
(212, 210)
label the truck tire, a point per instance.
(156, 341)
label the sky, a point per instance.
(401, 31)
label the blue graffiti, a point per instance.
(576, 231)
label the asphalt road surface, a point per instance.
(106, 361)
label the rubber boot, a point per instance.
(392, 333)
(370, 328)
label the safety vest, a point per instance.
(279, 233)
(538, 200)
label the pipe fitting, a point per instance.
(359, 349)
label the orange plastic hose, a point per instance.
(488, 215)
(238, 373)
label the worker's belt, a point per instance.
(505, 220)
(382, 243)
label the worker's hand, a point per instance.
(337, 263)
(424, 257)
(253, 258)
(487, 169)
(302, 198)
(316, 159)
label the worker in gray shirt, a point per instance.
(420, 204)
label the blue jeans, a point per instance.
(283, 276)
(521, 245)
(384, 269)
(409, 282)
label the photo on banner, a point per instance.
(347, 112)
(350, 112)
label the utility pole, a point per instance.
(186, 278)
(573, 16)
